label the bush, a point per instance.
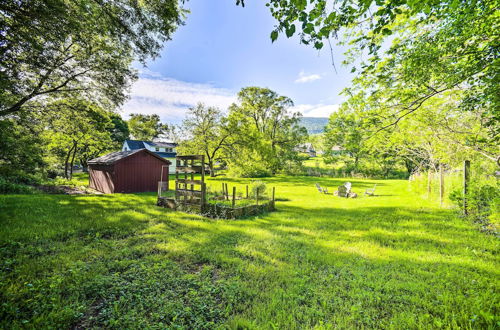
(19, 177)
(483, 201)
(8, 187)
(258, 186)
(251, 170)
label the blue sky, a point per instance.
(224, 47)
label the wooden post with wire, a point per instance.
(163, 185)
(234, 197)
(466, 184)
(441, 184)
(429, 182)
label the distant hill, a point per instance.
(314, 125)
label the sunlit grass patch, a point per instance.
(389, 261)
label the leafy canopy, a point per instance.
(85, 47)
(146, 127)
(266, 132)
(206, 132)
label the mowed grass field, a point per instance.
(392, 261)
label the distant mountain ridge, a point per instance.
(314, 125)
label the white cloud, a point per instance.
(170, 98)
(303, 78)
(316, 110)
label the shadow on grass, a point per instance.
(299, 265)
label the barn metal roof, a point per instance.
(114, 157)
(137, 144)
(162, 144)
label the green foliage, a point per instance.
(20, 146)
(207, 134)
(81, 47)
(76, 129)
(258, 187)
(482, 199)
(344, 130)
(146, 127)
(429, 59)
(483, 202)
(9, 187)
(389, 261)
(249, 165)
(119, 130)
(265, 133)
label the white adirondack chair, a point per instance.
(321, 189)
(371, 191)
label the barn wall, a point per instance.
(138, 173)
(101, 178)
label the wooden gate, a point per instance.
(186, 168)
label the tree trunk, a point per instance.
(73, 161)
(66, 162)
(211, 167)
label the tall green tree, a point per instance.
(345, 130)
(207, 133)
(415, 51)
(146, 127)
(119, 130)
(76, 130)
(21, 147)
(266, 132)
(80, 47)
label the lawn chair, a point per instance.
(321, 189)
(348, 186)
(371, 191)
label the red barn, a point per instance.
(127, 171)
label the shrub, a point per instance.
(8, 187)
(258, 186)
(19, 177)
(483, 201)
(249, 170)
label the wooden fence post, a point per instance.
(247, 191)
(273, 193)
(466, 183)
(429, 182)
(223, 190)
(257, 196)
(234, 196)
(203, 194)
(441, 184)
(227, 192)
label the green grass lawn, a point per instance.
(118, 261)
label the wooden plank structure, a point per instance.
(190, 193)
(185, 169)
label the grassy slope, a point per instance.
(390, 261)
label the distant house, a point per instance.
(165, 150)
(306, 148)
(337, 150)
